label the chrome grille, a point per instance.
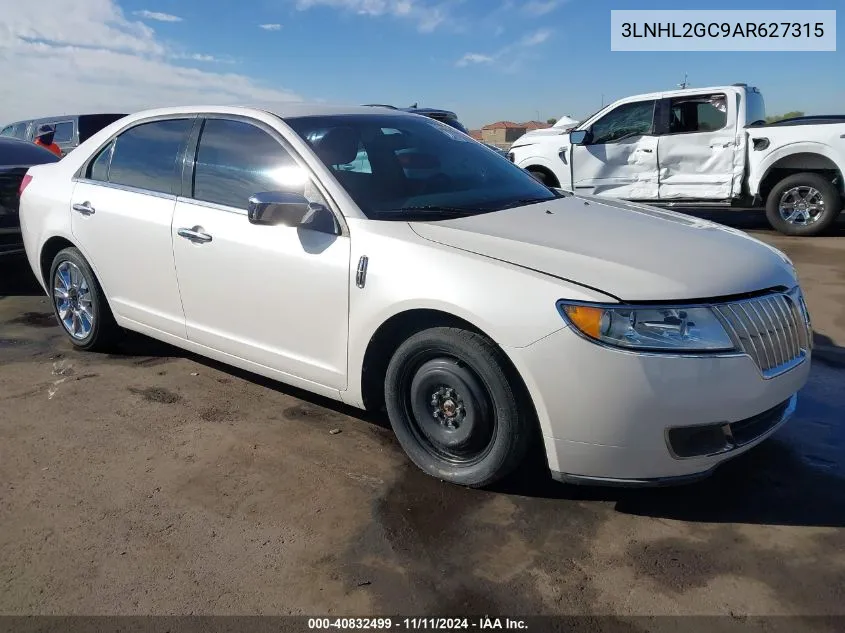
(773, 330)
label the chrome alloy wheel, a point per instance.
(801, 205)
(72, 296)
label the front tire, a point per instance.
(455, 408)
(79, 303)
(805, 204)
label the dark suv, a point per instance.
(71, 130)
(445, 116)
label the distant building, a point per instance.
(503, 133)
(477, 135)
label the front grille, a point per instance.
(773, 329)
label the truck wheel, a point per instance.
(544, 177)
(803, 204)
(455, 407)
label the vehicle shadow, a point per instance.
(771, 484)
(16, 278)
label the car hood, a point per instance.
(629, 251)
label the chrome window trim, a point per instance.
(794, 293)
(127, 188)
(211, 205)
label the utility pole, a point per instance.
(602, 100)
(684, 85)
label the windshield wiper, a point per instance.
(428, 209)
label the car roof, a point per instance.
(9, 144)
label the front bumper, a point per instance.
(605, 414)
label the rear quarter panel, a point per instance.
(45, 211)
(826, 140)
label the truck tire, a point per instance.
(544, 176)
(804, 204)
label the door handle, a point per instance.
(84, 208)
(646, 150)
(195, 235)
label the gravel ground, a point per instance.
(154, 482)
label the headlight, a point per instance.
(693, 329)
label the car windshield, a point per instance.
(407, 167)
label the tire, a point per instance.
(455, 407)
(79, 303)
(543, 177)
(814, 191)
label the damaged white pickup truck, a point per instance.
(700, 147)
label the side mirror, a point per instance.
(580, 137)
(277, 208)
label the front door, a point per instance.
(698, 152)
(122, 211)
(620, 161)
(277, 296)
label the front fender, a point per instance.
(513, 306)
(555, 165)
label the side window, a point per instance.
(64, 132)
(98, 169)
(626, 121)
(8, 130)
(701, 113)
(20, 131)
(236, 159)
(145, 156)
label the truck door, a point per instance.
(619, 159)
(697, 147)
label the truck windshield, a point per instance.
(407, 167)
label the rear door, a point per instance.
(122, 209)
(697, 147)
(621, 159)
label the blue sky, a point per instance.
(521, 58)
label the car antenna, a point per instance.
(414, 106)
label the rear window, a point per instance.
(23, 153)
(90, 124)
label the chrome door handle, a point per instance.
(84, 208)
(646, 150)
(195, 235)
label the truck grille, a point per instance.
(774, 330)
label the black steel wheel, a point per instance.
(452, 403)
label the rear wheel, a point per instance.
(803, 204)
(79, 303)
(454, 408)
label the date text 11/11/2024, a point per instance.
(420, 623)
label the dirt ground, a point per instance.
(155, 482)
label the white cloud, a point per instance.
(428, 16)
(64, 56)
(270, 27)
(155, 15)
(512, 55)
(475, 58)
(538, 7)
(536, 38)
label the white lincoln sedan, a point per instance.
(385, 259)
